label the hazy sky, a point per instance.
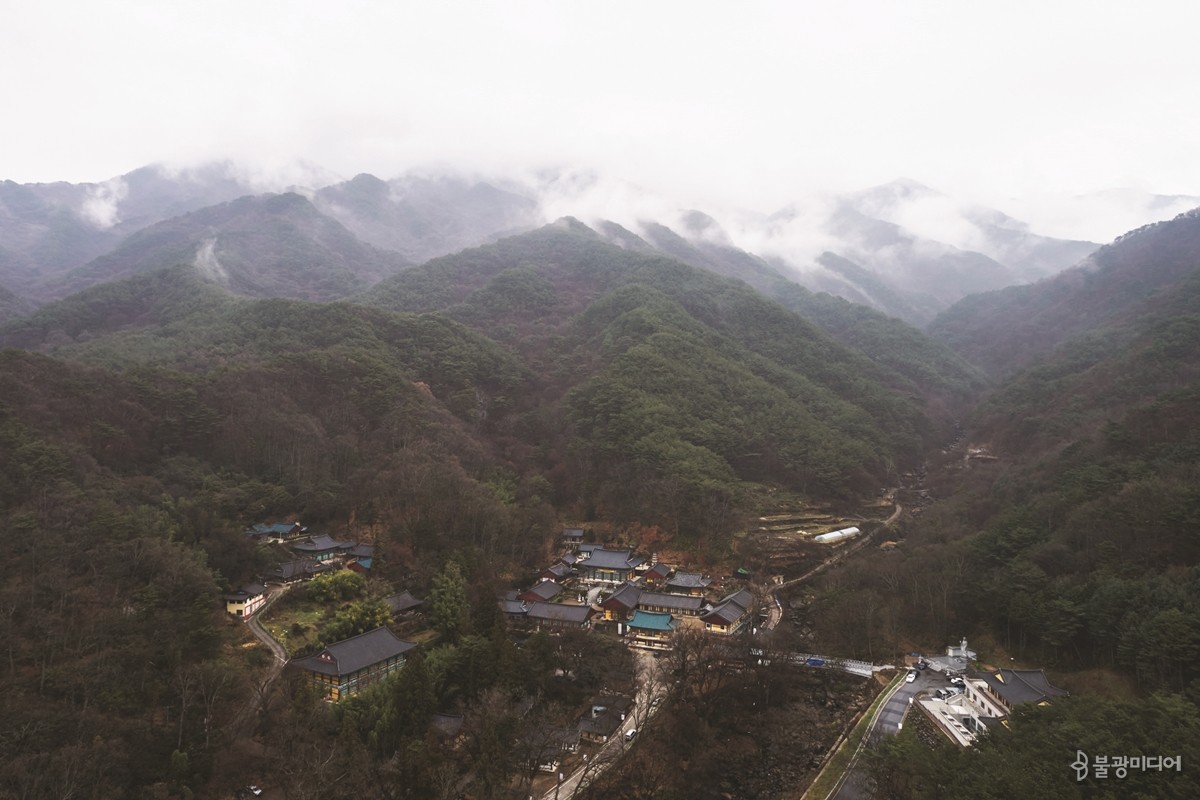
(746, 103)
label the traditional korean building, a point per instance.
(622, 602)
(678, 604)
(361, 558)
(606, 567)
(731, 614)
(246, 601)
(323, 547)
(651, 631)
(346, 667)
(604, 719)
(1007, 688)
(572, 537)
(986, 700)
(276, 532)
(403, 603)
(688, 583)
(541, 591)
(557, 616)
(559, 571)
(300, 569)
(656, 575)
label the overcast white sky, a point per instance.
(747, 103)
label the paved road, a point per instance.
(651, 686)
(273, 593)
(857, 785)
(241, 722)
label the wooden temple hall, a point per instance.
(348, 666)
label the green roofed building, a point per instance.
(651, 631)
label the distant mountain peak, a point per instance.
(572, 224)
(900, 189)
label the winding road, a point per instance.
(651, 687)
(278, 662)
(281, 656)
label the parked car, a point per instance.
(958, 682)
(630, 734)
(912, 676)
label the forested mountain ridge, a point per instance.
(1077, 526)
(929, 367)
(926, 213)
(48, 229)
(166, 299)
(627, 324)
(12, 306)
(920, 366)
(586, 360)
(259, 246)
(1005, 330)
(424, 217)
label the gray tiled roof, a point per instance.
(604, 724)
(544, 590)
(627, 594)
(296, 568)
(560, 612)
(277, 529)
(732, 608)
(358, 652)
(682, 602)
(689, 580)
(513, 606)
(659, 570)
(320, 543)
(611, 559)
(247, 591)
(446, 724)
(1016, 686)
(399, 603)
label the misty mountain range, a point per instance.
(901, 248)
